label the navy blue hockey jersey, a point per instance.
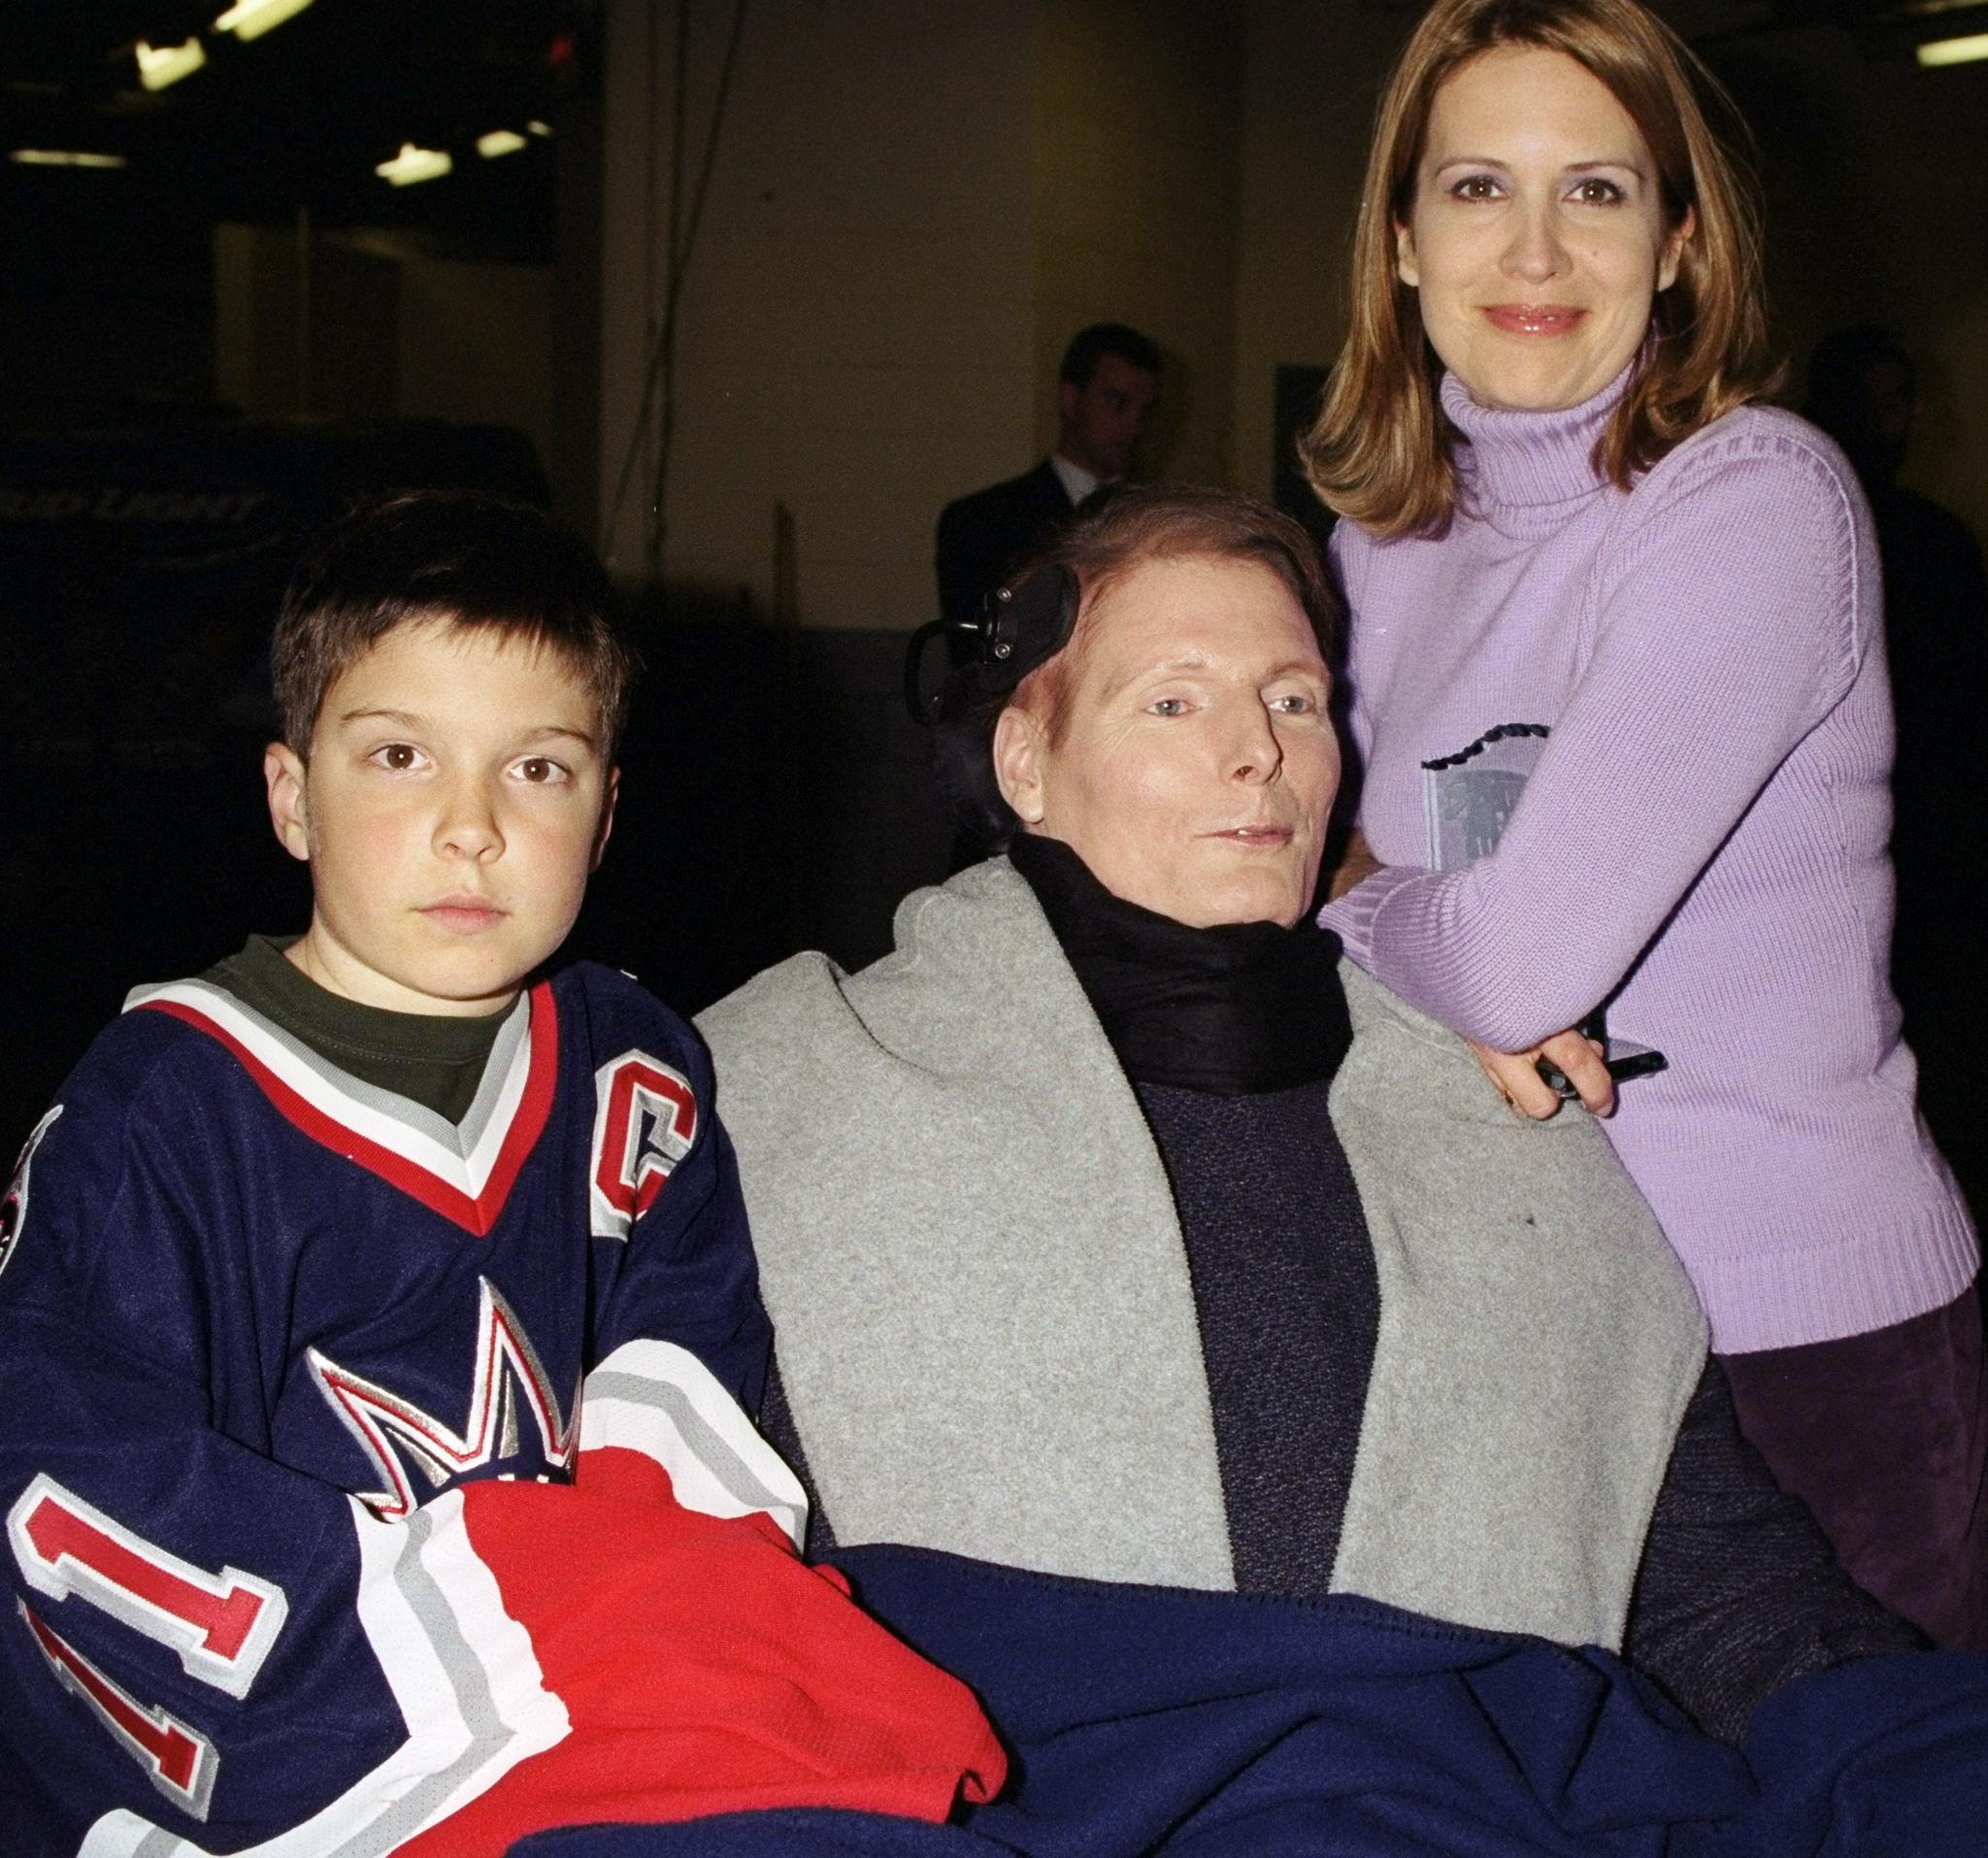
(256, 1318)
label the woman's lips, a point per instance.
(463, 916)
(1534, 318)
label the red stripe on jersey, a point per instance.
(527, 1122)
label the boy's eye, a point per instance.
(399, 756)
(541, 771)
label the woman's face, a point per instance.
(1536, 239)
(1196, 765)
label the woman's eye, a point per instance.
(1474, 186)
(1593, 192)
(1167, 706)
(1293, 705)
(540, 771)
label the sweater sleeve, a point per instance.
(1729, 621)
(1348, 552)
(1737, 1592)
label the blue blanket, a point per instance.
(1210, 1725)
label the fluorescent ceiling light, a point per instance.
(64, 158)
(168, 64)
(499, 142)
(539, 128)
(1955, 51)
(415, 164)
(252, 18)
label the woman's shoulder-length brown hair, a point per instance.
(1379, 451)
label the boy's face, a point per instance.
(455, 802)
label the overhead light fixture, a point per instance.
(415, 164)
(539, 128)
(159, 66)
(252, 18)
(63, 159)
(1955, 51)
(499, 142)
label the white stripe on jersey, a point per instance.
(460, 1159)
(462, 1672)
(657, 1399)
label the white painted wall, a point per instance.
(856, 332)
(1313, 73)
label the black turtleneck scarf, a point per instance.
(1231, 1036)
(1235, 1009)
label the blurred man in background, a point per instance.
(1108, 383)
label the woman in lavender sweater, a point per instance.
(1587, 566)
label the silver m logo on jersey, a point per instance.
(395, 1433)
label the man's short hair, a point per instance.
(462, 556)
(1089, 346)
(1119, 530)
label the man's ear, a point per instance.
(1675, 241)
(282, 772)
(1019, 745)
(608, 795)
(1404, 266)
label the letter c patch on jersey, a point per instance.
(645, 1121)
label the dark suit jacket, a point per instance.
(981, 537)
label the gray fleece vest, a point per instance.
(988, 1331)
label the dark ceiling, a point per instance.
(302, 115)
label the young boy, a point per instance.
(378, 1323)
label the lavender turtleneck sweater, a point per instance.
(1707, 818)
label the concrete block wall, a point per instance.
(914, 204)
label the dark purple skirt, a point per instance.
(1885, 1438)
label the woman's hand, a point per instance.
(1356, 864)
(1530, 1094)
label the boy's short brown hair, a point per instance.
(462, 556)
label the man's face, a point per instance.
(1105, 421)
(1196, 765)
(454, 801)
